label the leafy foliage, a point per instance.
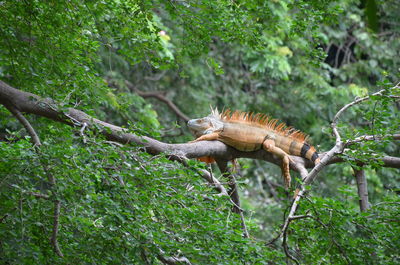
(349, 237)
(117, 202)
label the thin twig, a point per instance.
(207, 176)
(56, 216)
(39, 195)
(339, 145)
(158, 95)
(82, 130)
(172, 260)
(234, 194)
(318, 220)
(372, 138)
(284, 241)
(3, 217)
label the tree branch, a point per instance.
(214, 182)
(372, 138)
(56, 217)
(339, 144)
(233, 193)
(362, 188)
(158, 95)
(208, 176)
(39, 195)
(172, 260)
(28, 127)
(325, 160)
(31, 103)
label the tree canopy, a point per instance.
(96, 166)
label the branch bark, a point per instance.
(362, 189)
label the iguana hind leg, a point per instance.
(269, 146)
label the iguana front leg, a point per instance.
(207, 137)
(269, 146)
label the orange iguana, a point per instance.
(250, 132)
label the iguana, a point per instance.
(250, 132)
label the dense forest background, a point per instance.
(74, 189)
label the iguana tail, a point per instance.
(296, 147)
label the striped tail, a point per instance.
(309, 152)
(297, 148)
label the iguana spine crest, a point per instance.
(261, 120)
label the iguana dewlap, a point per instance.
(250, 132)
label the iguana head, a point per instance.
(206, 125)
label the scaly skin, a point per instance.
(250, 132)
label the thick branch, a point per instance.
(31, 103)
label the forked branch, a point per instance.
(326, 159)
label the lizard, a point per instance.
(247, 131)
